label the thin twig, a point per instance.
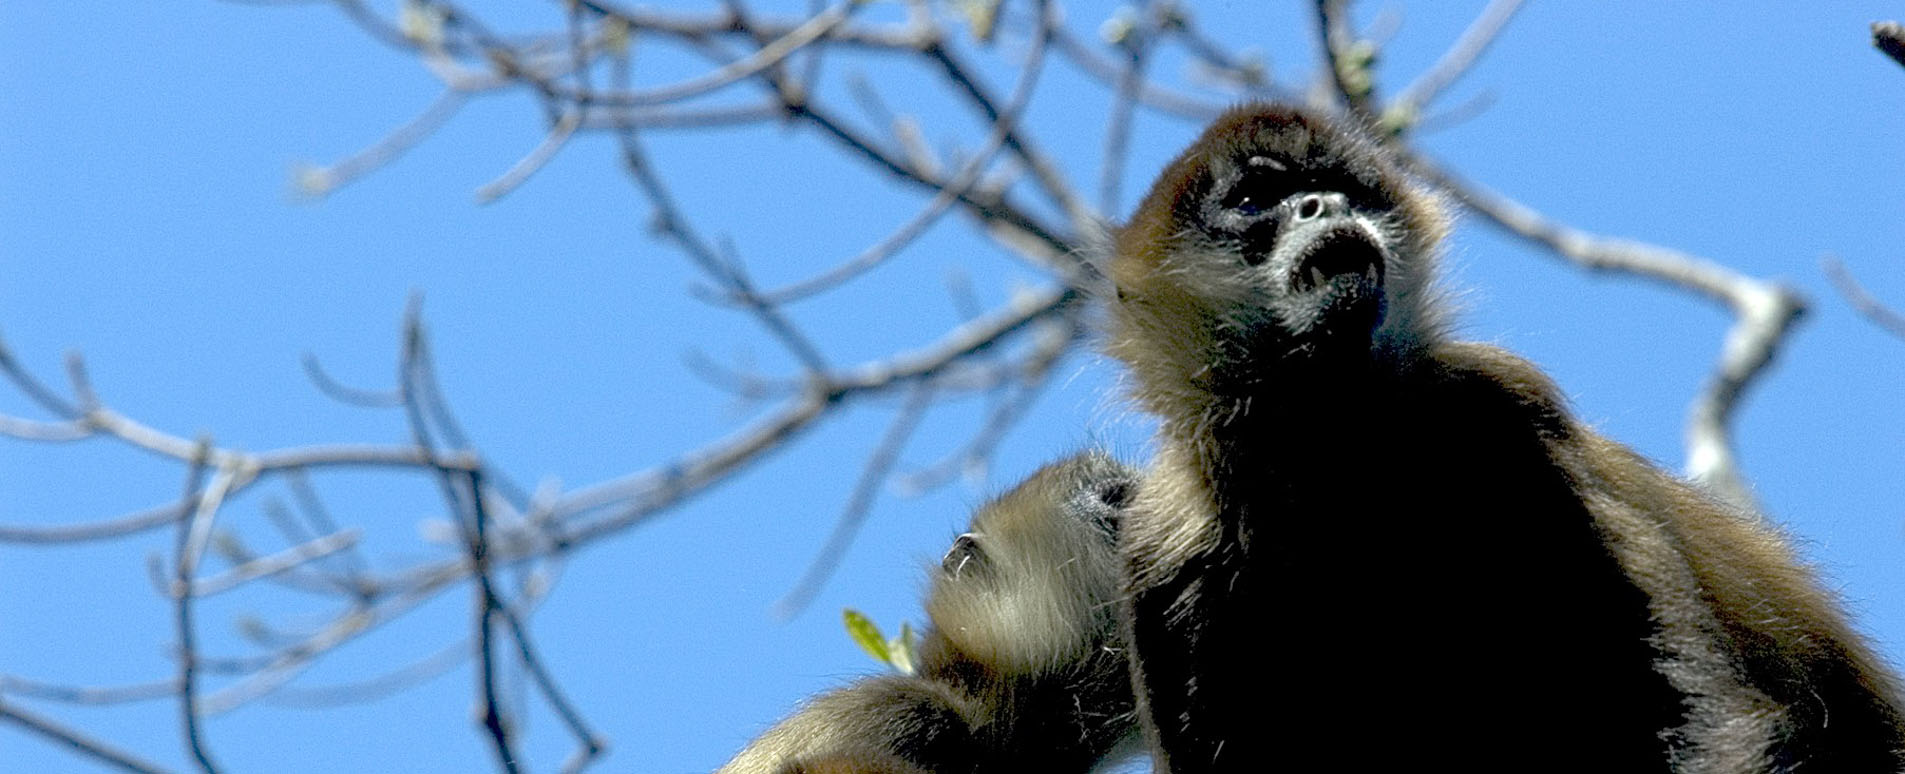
(879, 467)
(977, 452)
(343, 393)
(1405, 109)
(129, 524)
(247, 469)
(14, 685)
(322, 180)
(670, 221)
(377, 687)
(79, 742)
(1106, 71)
(422, 367)
(488, 606)
(1248, 73)
(768, 55)
(552, 141)
(633, 498)
(1764, 314)
(1348, 60)
(740, 382)
(268, 566)
(466, 505)
(1863, 301)
(1044, 170)
(286, 665)
(962, 182)
(708, 118)
(192, 534)
(579, 49)
(1137, 43)
(35, 390)
(44, 432)
(313, 508)
(589, 744)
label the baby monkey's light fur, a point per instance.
(1019, 669)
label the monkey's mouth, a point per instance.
(1343, 259)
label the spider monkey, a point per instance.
(1363, 545)
(1020, 669)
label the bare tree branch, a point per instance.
(313, 180)
(1348, 60)
(1137, 38)
(77, 741)
(265, 567)
(768, 55)
(879, 466)
(1863, 301)
(1001, 134)
(192, 535)
(1407, 107)
(552, 142)
(1764, 312)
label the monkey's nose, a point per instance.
(1310, 206)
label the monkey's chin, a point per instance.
(1334, 296)
(1340, 320)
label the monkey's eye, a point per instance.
(1245, 204)
(1258, 189)
(1250, 196)
(1104, 508)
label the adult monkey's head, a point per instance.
(1277, 239)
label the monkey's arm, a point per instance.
(1165, 663)
(882, 725)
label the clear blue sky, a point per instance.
(145, 152)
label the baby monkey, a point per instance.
(1019, 669)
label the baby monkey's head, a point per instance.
(1033, 586)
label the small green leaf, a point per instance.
(866, 635)
(905, 649)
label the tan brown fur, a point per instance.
(1020, 668)
(1445, 564)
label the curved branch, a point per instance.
(1764, 314)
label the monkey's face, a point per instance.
(1275, 235)
(1076, 504)
(1292, 242)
